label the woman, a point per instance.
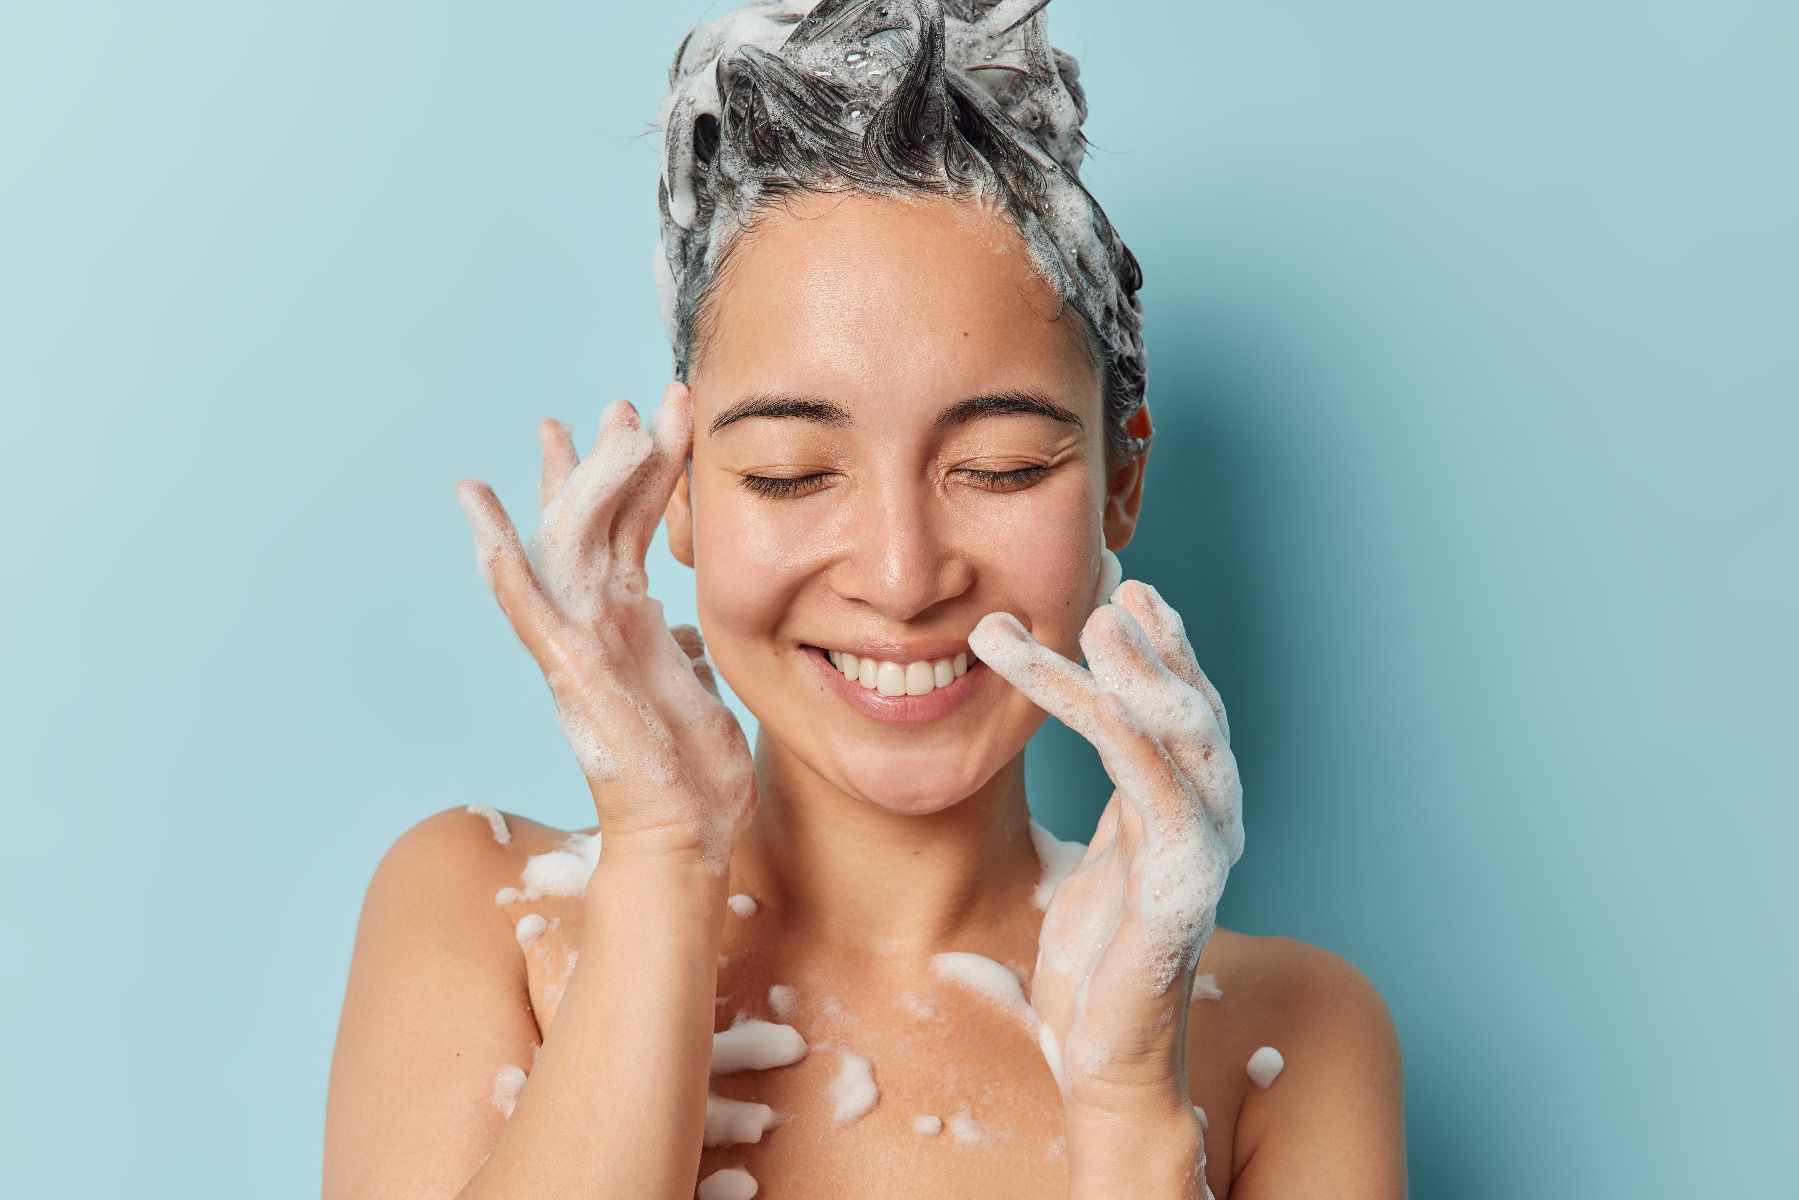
(906, 436)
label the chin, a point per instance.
(913, 784)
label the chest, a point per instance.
(911, 1085)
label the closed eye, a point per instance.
(779, 486)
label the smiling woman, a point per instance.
(906, 437)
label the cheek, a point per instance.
(750, 559)
(1043, 557)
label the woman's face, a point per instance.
(892, 439)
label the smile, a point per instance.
(899, 693)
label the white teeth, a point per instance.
(918, 678)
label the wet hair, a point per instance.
(952, 98)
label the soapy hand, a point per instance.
(1124, 929)
(666, 761)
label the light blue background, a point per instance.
(1471, 335)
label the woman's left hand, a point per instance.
(1124, 929)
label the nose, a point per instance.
(900, 554)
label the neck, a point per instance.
(866, 881)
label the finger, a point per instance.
(1063, 689)
(576, 525)
(1168, 634)
(1180, 869)
(508, 572)
(559, 459)
(1103, 833)
(1157, 793)
(702, 671)
(1122, 661)
(1182, 718)
(688, 638)
(646, 496)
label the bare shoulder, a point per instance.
(436, 1023)
(1323, 1111)
(471, 844)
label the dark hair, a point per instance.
(956, 98)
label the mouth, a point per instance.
(900, 692)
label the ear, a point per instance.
(1124, 486)
(678, 517)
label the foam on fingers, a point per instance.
(557, 442)
(1051, 682)
(488, 522)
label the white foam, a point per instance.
(495, 821)
(508, 895)
(918, 1007)
(1205, 987)
(563, 871)
(756, 1046)
(732, 1183)
(854, 1091)
(965, 1129)
(1111, 571)
(743, 905)
(1022, 85)
(1205, 1125)
(736, 1122)
(1052, 1051)
(1058, 858)
(1265, 1065)
(783, 1001)
(507, 1083)
(532, 926)
(991, 980)
(926, 1125)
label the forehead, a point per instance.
(854, 296)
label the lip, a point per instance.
(901, 710)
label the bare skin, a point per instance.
(869, 847)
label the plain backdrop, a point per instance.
(1471, 344)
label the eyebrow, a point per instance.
(1010, 402)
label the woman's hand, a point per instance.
(667, 763)
(1123, 931)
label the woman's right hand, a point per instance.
(668, 765)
